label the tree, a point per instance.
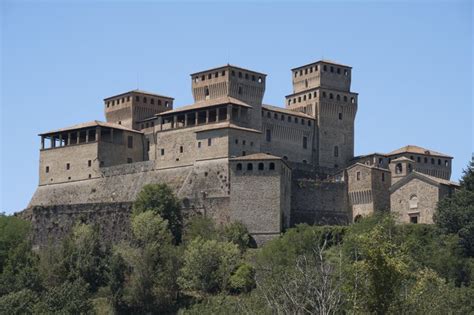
(13, 232)
(243, 280)
(160, 199)
(20, 302)
(67, 298)
(208, 266)
(377, 266)
(456, 214)
(153, 265)
(238, 234)
(199, 226)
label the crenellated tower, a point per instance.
(322, 90)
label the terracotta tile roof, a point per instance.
(256, 156)
(286, 111)
(427, 178)
(90, 124)
(206, 103)
(139, 92)
(418, 150)
(440, 180)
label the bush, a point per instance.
(21, 302)
(208, 265)
(243, 280)
(238, 234)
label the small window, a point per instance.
(130, 142)
(346, 72)
(336, 151)
(90, 175)
(383, 177)
(338, 97)
(309, 123)
(244, 153)
(418, 159)
(249, 166)
(47, 169)
(414, 219)
(340, 116)
(152, 101)
(216, 74)
(240, 90)
(446, 163)
(247, 76)
(137, 98)
(199, 144)
(358, 176)
(325, 68)
(296, 120)
(305, 142)
(209, 76)
(159, 102)
(253, 77)
(338, 70)
(206, 91)
(68, 166)
(148, 146)
(260, 166)
(289, 118)
(260, 80)
(425, 160)
(144, 100)
(233, 73)
(236, 141)
(209, 142)
(282, 117)
(275, 116)
(223, 72)
(239, 166)
(89, 163)
(271, 166)
(240, 74)
(345, 98)
(331, 96)
(129, 160)
(243, 142)
(332, 69)
(162, 152)
(181, 149)
(203, 77)
(101, 163)
(398, 168)
(432, 161)
(268, 135)
(439, 161)
(352, 100)
(324, 94)
(305, 162)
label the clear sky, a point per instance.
(412, 66)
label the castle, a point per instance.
(230, 157)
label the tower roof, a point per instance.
(228, 66)
(322, 61)
(137, 91)
(90, 124)
(417, 150)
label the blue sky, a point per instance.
(412, 66)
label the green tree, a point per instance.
(153, 265)
(13, 232)
(243, 280)
(67, 298)
(199, 226)
(20, 302)
(377, 266)
(238, 234)
(160, 199)
(456, 214)
(208, 266)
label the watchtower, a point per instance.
(322, 90)
(231, 82)
(129, 108)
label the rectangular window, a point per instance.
(89, 163)
(181, 149)
(47, 169)
(68, 166)
(129, 160)
(383, 177)
(148, 145)
(358, 175)
(199, 144)
(269, 135)
(162, 151)
(305, 142)
(209, 142)
(130, 142)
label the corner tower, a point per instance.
(322, 90)
(233, 82)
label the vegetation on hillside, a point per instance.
(195, 267)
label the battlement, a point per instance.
(322, 73)
(229, 81)
(134, 106)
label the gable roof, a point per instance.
(417, 150)
(286, 111)
(90, 124)
(402, 158)
(205, 104)
(435, 181)
(368, 166)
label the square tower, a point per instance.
(322, 90)
(231, 82)
(129, 108)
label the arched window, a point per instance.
(206, 91)
(425, 159)
(338, 97)
(357, 218)
(432, 161)
(336, 151)
(272, 166)
(413, 202)
(260, 166)
(239, 166)
(249, 166)
(439, 161)
(306, 83)
(331, 96)
(398, 168)
(345, 98)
